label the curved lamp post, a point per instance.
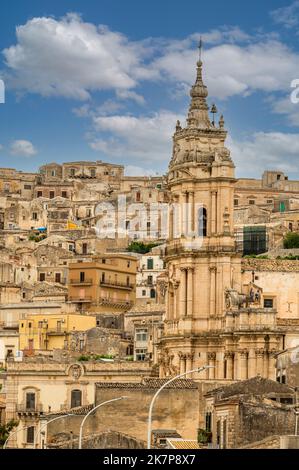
(89, 413)
(149, 427)
(48, 422)
(13, 433)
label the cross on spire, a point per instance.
(200, 47)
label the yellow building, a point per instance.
(51, 331)
(107, 284)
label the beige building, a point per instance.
(35, 387)
(106, 284)
(51, 331)
(213, 315)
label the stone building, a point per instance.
(176, 409)
(216, 312)
(145, 325)
(106, 284)
(150, 266)
(249, 411)
(39, 385)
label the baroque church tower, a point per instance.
(204, 269)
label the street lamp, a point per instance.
(13, 433)
(149, 427)
(48, 422)
(91, 411)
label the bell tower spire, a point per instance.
(198, 115)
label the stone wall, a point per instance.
(257, 421)
(256, 264)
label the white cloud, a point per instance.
(287, 16)
(132, 170)
(22, 148)
(265, 151)
(144, 139)
(231, 69)
(285, 106)
(69, 57)
(72, 58)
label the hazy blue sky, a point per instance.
(108, 80)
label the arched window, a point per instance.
(202, 222)
(152, 293)
(76, 398)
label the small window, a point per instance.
(27, 186)
(150, 263)
(39, 194)
(269, 201)
(93, 172)
(268, 303)
(34, 216)
(141, 334)
(209, 422)
(64, 194)
(82, 276)
(42, 277)
(141, 354)
(76, 398)
(72, 171)
(144, 292)
(30, 435)
(30, 401)
(251, 202)
(236, 202)
(52, 194)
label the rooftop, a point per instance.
(150, 383)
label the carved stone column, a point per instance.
(182, 362)
(272, 364)
(189, 362)
(260, 361)
(212, 362)
(242, 364)
(190, 291)
(175, 295)
(251, 363)
(213, 212)
(212, 290)
(228, 356)
(191, 213)
(183, 292)
(171, 221)
(219, 366)
(184, 213)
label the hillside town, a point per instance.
(111, 285)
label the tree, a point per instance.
(291, 240)
(5, 430)
(140, 247)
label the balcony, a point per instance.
(80, 299)
(118, 285)
(77, 282)
(24, 410)
(55, 332)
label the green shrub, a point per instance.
(291, 240)
(204, 437)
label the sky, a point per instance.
(107, 80)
